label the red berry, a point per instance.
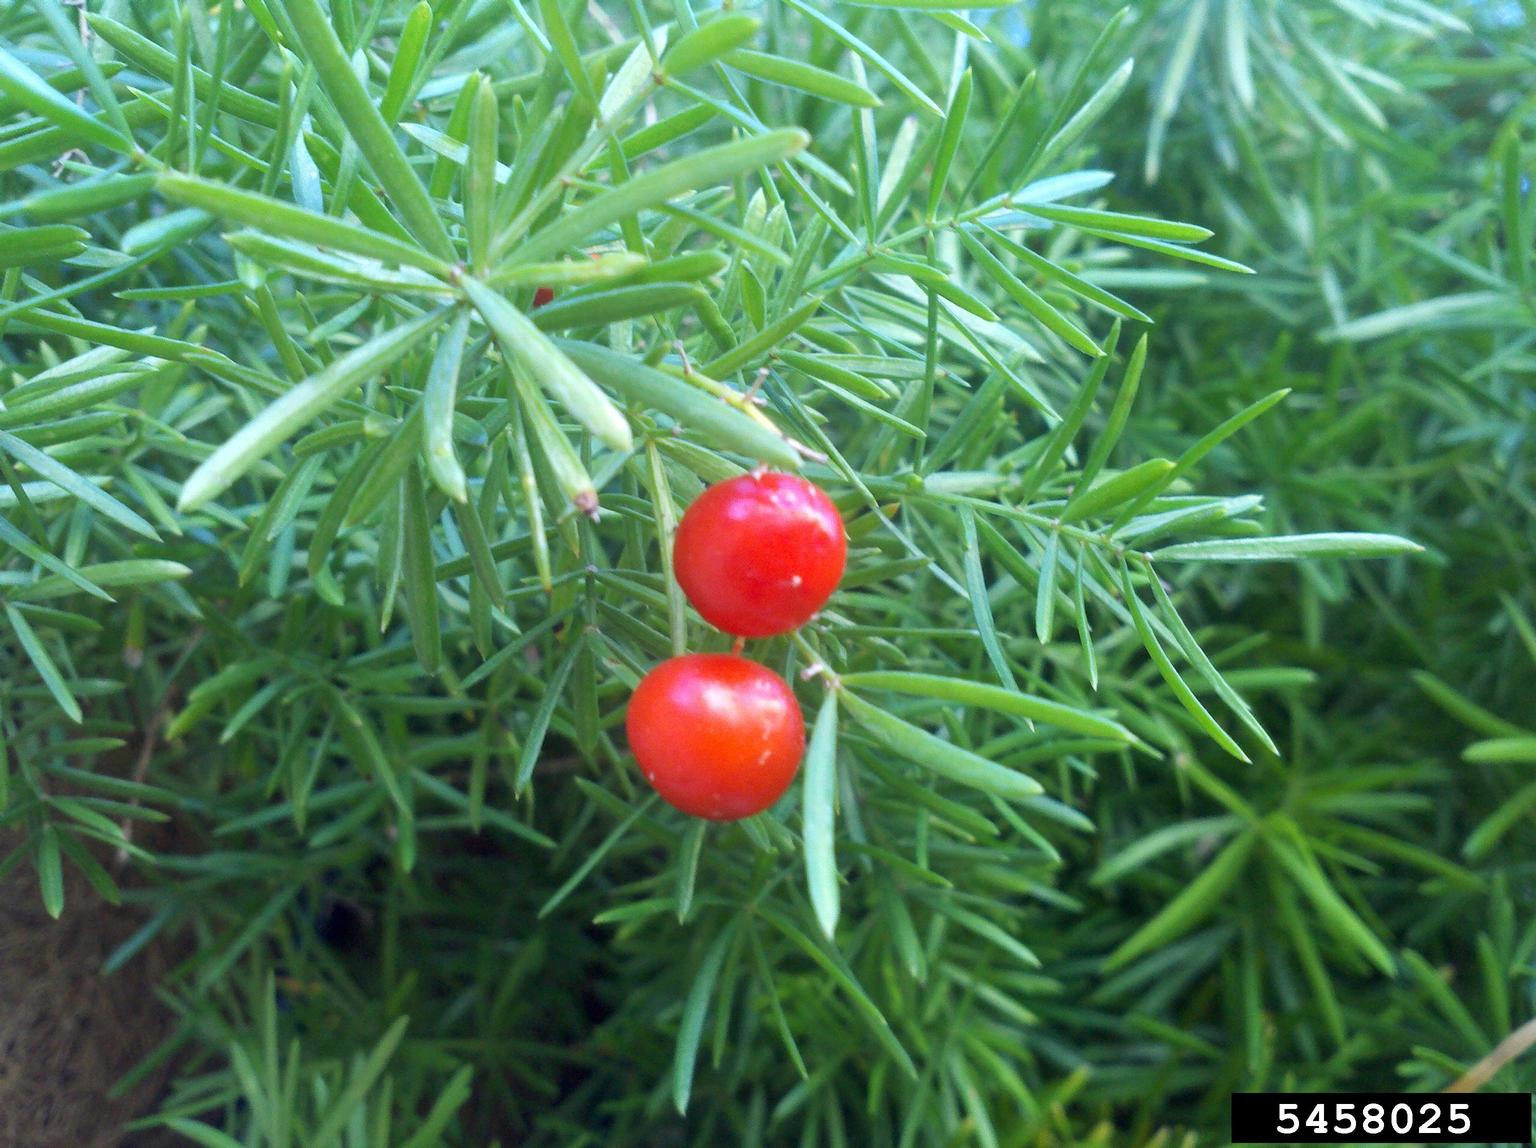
(716, 735)
(759, 554)
(542, 296)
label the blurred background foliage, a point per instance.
(333, 704)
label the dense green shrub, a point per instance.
(1142, 719)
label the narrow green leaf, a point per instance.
(525, 345)
(419, 575)
(1515, 810)
(1049, 318)
(274, 215)
(1060, 275)
(749, 351)
(533, 743)
(1514, 184)
(1288, 547)
(409, 48)
(161, 63)
(50, 871)
(595, 857)
(33, 246)
(560, 458)
(480, 173)
(665, 512)
(1045, 593)
(1106, 495)
(563, 40)
(49, 468)
(74, 45)
(478, 545)
(1064, 431)
(936, 5)
(300, 406)
(343, 1111)
(433, 1129)
(1114, 223)
(712, 39)
(1331, 908)
(1502, 751)
(437, 404)
(1170, 85)
(601, 308)
(85, 198)
(1130, 381)
(1140, 852)
(714, 420)
(1463, 709)
(1084, 631)
(43, 663)
(26, 88)
(1170, 675)
(611, 265)
(819, 810)
(1197, 901)
(21, 543)
(943, 758)
(868, 54)
(635, 77)
(1089, 113)
(832, 963)
(688, 867)
(369, 131)
(1472, 309)
(820, 368)
(802, 77)
(695, 1007)
(949, 140)
(1202, 447)
(700, 170)
(981, 604)
(989, 931)
(1163, 247)
(128, 572)
(993, 698)
(1207, 668)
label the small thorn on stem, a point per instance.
(806, 452)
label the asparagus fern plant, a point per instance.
(326, 544)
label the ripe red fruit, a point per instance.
(716, 735)
(541, 296)
(759, 554)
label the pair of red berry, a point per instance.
(719, 736)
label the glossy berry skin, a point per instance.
(759, 554)
(716, 735)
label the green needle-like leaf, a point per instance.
(300, 406)
(701, 170)
(536, 355)
(373, 137)
(1287, 548)
(943, 758)
(1194, 903)
(820, 807)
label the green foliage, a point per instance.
(323, 547)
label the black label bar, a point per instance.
(1381, 1118)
